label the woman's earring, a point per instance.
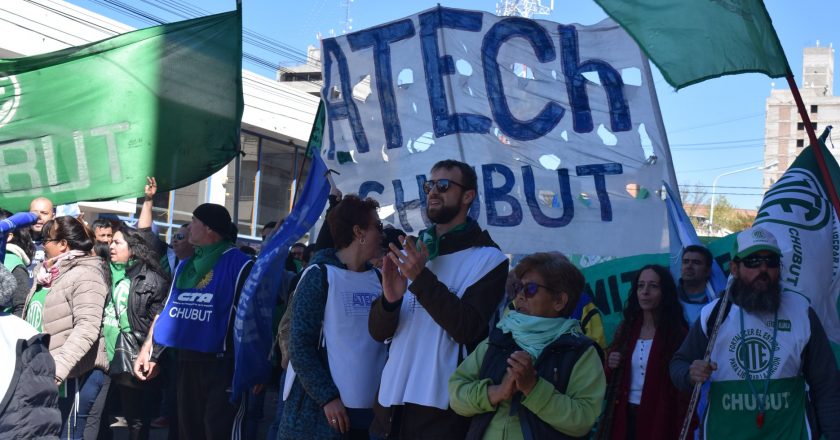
(362, 240)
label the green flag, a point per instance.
(695, 40)
(797, 211)
(91, 122)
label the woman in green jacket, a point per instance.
(536, 375)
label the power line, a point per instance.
(754, 162)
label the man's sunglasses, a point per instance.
(772, 262)
(442, 185)
(528, 289)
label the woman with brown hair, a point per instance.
(67, 301)
(642, 401)
(335, 364)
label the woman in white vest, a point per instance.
(335, 365)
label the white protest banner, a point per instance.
(560, 122)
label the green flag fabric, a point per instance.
(91, 122)
(797, 210)
(694, 40)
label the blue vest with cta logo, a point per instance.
(198, 318)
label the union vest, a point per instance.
(733, 406)
(422, 356)
(555, 365)
(198, 318)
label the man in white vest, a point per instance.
(772, 371)
(439, 296)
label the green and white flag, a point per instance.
(694, 40)
(91, 122)
(796, 209)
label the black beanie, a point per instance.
(216, 217)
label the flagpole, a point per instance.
(815, 145)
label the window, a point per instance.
(800, 143)
(814, 125)
(814, 109)
(800, 126)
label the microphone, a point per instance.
(16, 221)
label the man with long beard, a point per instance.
(772, 371)
(439, 296)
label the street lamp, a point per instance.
(714, 187)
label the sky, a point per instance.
(714, 127)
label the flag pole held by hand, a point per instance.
(695, 393)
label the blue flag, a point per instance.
(252, 332)
(682, 234)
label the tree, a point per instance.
(729, 217)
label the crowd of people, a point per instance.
(381, 335)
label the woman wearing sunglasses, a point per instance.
(67, 302)
(140, 287)
(642, 403)
(536, 375)
(335, 365)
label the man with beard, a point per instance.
(439, 296)
(772, 371)
(43, 208)
(695, 270)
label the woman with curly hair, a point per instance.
(643, 402)
(139, 288)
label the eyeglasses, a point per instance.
(179, 236)
(442, 185)
(528, 289)
(771, 261)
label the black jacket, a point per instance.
(146, 297)
(29, 410)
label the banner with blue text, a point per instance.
(561, 123)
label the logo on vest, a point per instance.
(358, 303)
(751, 354)
(34, 314)
(193, 306)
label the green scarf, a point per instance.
(117, 273)
(534, 333)
(201, 263)
(431, 240)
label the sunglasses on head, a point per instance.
(529, 289)
(753, 262)
(442, 185)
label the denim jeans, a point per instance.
(77, 408)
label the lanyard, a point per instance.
(761, 399)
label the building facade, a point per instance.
(784, 132)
